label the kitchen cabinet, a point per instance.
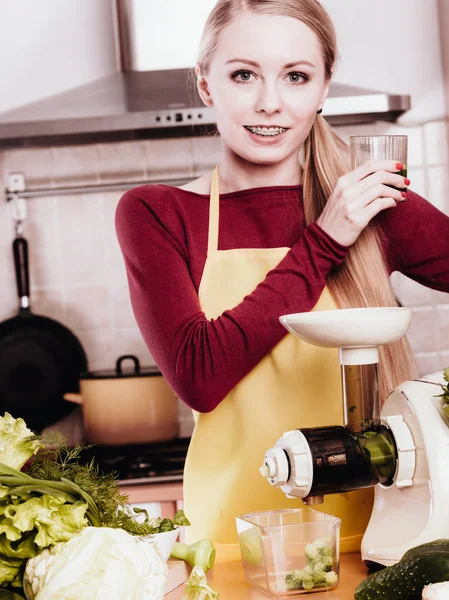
(227, 579)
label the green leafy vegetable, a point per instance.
(6, 595)
(17, 442)
(200, 554)
(197, 588)
(445, 395)
(318, 570)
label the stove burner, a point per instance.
(135, 463)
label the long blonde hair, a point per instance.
(363, 279)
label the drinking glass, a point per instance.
(379, 147)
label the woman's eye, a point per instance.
(242, 76)
(296, 77)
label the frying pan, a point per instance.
(40, 359)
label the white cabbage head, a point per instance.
(99, 563)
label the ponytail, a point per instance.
(363, 279)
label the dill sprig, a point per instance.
(107, 505)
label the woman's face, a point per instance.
(267, 72)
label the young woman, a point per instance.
(282, 226)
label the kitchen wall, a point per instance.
(50, 46)
(77, 273)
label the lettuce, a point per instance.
(17, 442)
(28, 526)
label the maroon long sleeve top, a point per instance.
(163, 234)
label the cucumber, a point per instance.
(405, 580)
(442, 544)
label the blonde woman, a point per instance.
(212, 265)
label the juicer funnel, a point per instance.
(357, 332)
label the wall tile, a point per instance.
(427, 363)
(443, 326)
(438, 185)
(170, 158)
(439, 297)
(443, 362)
(49, 303)
(130, 341)
(123, 316)
(418, 179)
(8, 304)
(88, 307)
(345, 131)
(415, 140)
(422, 334)
(409, 292)
(76, 165)
(44, 249)
(206, 153)
(116, 273)
(122, 161)
(35, 163)
(435, 136)
(83, 247)
(104, 346)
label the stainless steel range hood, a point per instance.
(139, 104)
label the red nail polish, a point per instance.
(404, 194)
(407, 181)
(399, 166)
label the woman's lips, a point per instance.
(266, 139)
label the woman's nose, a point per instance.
(269, 100)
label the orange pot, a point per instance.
(127, 407)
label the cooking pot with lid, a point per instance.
(127, 406)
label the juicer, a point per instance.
(401, 450)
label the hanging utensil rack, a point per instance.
(17, 187)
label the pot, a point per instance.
(127, 407)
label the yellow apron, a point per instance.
(296, 385)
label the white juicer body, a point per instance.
(415, 513)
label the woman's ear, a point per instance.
(203, 88)
(324, 96)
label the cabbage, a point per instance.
(99, 563)
(17, 442)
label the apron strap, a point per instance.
(214, 213)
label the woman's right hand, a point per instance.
(358, 196)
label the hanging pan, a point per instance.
(40, 359)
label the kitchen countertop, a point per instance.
(227, 579)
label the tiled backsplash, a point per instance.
(77, 272)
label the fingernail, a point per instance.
(399, 166)
(407, 181)
(404, 194)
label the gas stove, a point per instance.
(160, 462)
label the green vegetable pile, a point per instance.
(318, 570)
(48, 497)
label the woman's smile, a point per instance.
(266, 135)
